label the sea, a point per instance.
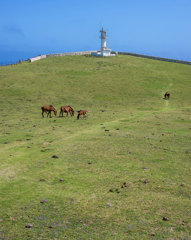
(12, 57)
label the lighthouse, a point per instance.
(104, 51)
(103, 39)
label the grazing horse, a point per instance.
(167, 95)
(48, 110)
(66, 109)
(82, 113)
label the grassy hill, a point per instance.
(126, 167)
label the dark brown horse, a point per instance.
(82, 113)
(167, 95)
(48, 110)
(66, 109)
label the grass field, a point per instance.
(126, 167)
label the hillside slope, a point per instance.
(132, 135)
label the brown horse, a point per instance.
(48, 110)
(167, 95)
(66, 109)
(82, 113)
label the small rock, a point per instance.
(1, 220)
(146, 181)
(109, 204)
(44, 201)
(165, 219)
(89, 163)
(106, 130)
(61, 180)
(28, 225)
(54, 156)
(50, 226)
(111, 190)
(182, 184)
(152, 234)
(42, 180)
(144, 168)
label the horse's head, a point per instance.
(72, 112)
(55, 112)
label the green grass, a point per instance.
(148, 138)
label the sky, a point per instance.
(153, 27)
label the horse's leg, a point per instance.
(50, 113)
(42, 113)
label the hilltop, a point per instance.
(125, 169)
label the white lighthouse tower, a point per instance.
(104, 52)
(103, 38)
